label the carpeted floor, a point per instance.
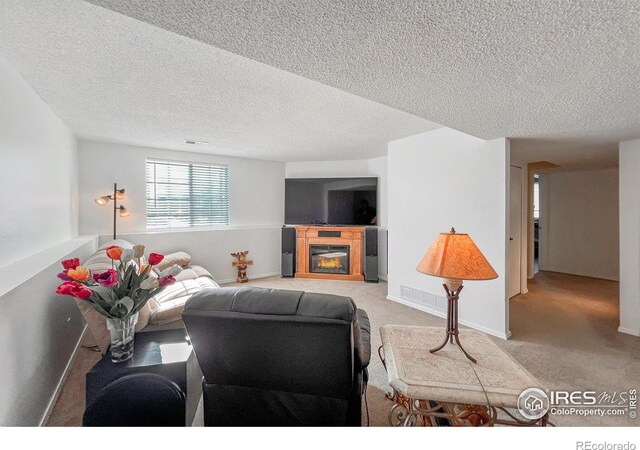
(564, 331)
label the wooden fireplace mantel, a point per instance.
(310, 235)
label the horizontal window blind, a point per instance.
(181, 194)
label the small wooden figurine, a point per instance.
(241, 264)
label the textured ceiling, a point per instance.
(546, 70)
(567, 154)
(112, 77)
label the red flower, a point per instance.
(166, 281)
(82, 292)
(71, 263)
(74, 289)
(155, 258)
(107, 279)
(65, 288)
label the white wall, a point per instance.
(38, 222)
(443, 179)
(374, 167)
(629, 163)
(580, 218)
(256, 207)
(37, 171)
(39, 331)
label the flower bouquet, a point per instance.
(118, 293)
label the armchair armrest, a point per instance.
(180, 258)
(362, 341)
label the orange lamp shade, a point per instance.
(455, 256)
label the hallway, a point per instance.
(567, 307)
(565, 328)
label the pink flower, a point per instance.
(107, 279)
(74, 289)
(71, 263)
(166, 281)
(63, 275)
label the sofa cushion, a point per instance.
(167, 305)
(193, 272)
(201, 271)
(180, 258)
(255, 300)
(99, 261)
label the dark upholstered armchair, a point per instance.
(275, 357)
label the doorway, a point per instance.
(514, 245)
(536, 223)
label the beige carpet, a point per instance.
(564, 332)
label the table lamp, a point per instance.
(455, 257)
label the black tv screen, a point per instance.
(331, 201)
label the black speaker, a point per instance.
(288, 252)
(371, 255)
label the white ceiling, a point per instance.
(567, 154)
(115, 78)
(548, 71)
(560, 78)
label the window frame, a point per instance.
(190, 164)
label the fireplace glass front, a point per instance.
(329, 259)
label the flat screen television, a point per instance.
(331, 201)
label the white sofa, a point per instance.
(163, 311)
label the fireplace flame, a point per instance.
(329, 263)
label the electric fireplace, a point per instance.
(329, 259)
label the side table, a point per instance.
(445, 385)
(168, 353)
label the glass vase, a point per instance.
(122, 334)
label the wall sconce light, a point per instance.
(118, 194)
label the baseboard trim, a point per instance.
(629, 331)
(63, 379)
(596, 277)
(443, 314)
(253, 277)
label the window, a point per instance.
(181, 194)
